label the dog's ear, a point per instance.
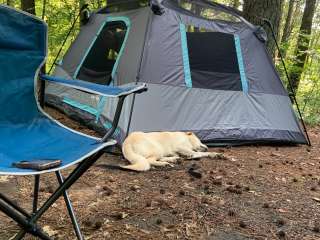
(189, 133)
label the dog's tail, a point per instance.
(139, 163)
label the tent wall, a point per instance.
(260, 111)
(216, 115)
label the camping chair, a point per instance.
(28, 133)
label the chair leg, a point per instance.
(71, 179)
(36, 193)
(22, 219)
(70, 209)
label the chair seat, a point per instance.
(43, 139)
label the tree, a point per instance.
(28, 6)
(236, 4)
(255, 10)
(10, 3)
(287, 27)
(301, 52)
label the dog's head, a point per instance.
(196, 143)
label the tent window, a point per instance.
(214, 66)
(207, 12)
(99, 63)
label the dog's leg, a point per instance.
(154, 161)
(169, 159)
(196, 155)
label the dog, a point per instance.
(144, 150)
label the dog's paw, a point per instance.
(169, 164)
(219, 156)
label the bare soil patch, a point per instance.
(260, 192)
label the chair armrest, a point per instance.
(94, 88)
(107, 91)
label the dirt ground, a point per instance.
(258, 193)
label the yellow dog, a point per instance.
(144, 150)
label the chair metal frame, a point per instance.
(27, 221)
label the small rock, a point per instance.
(281, 234)
(242, 224)
(205, 200)
(106, 191)
(231, 213)
(316, 228)
(266, 205)
(158, 221)
(182, 193)
(217, 182)
(111, 180)
(50, 189)
(233, 190)
(162, 191)
(134, 188)
(148, 203)
(295, 180)
(260, 166)
(195, 173)
(280, 222)
(120, 216)
(174, 212)
(94, 222)
(247, 188)
(314, 188)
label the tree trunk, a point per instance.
(81, 4)
(254, 10)
(236, 4)
(287, 27)
(303, 44)
(28, 6)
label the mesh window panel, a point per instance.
(206, 12)
(213, 60)
(99, 62)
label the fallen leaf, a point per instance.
(47, 229)
(282, 210)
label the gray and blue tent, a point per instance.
(207, 71)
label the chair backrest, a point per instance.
(23, 48)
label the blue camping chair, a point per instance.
(27, 133)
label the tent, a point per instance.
(207, 71)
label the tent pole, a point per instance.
(67, 36)
(269, 24)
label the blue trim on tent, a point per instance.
(90, 110)
(126, 20)
(244, 81)
(81, 106)
(88, 50)
(185, 56)
(128, 24)
(100, 107)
